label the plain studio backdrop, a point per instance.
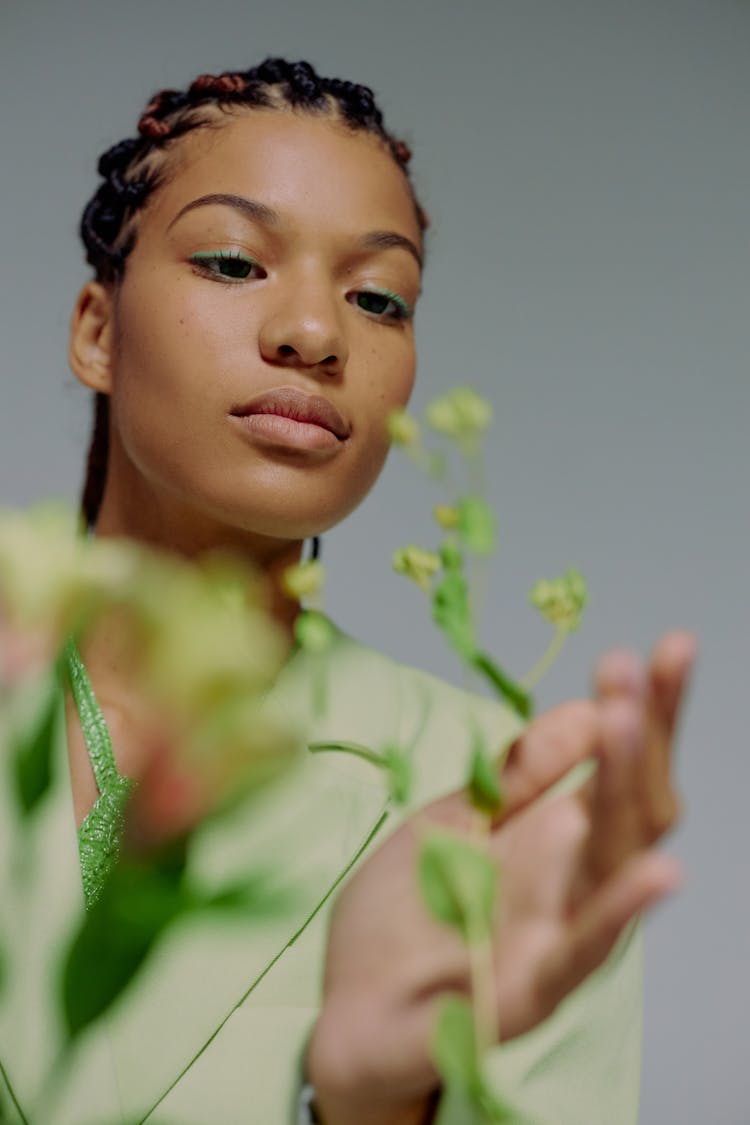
(586, 167)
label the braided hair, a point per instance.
(134, 168)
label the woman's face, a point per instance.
(235, 313)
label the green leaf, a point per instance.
(32, 752)
(476, 525)
(455, 1054)
(451, 612)
(450, 556)
(454, 1044)
(458, 882)
(508, 689)
(400, 773)
(484, 782)
(117, 934)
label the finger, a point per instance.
(549, 748)
(619, 817)
(617, 673)
(670, 668)
(647, 879)
(667, 678)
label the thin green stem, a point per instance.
(482, 991)
(542, 666)
(354, 748)
(475, 467)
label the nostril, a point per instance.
(286, 349)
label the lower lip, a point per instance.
(273, 429)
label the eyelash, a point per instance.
(202, 261)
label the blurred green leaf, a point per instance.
(484, 782)
(456, 1056)
(508, 689)
(476, 525)
(117, 933)
(400, 772)
(454, 1045)
(451, 612)
(32, 753)
(458, 882)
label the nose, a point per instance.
(305, 329)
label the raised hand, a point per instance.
(576, 869)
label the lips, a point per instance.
(288, 402)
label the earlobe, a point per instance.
(90, 352)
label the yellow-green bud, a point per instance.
(303, 579)
(461, 413)
(313, 631)
(402, 428)
(561, 601)
(417, 564)
(446, 516)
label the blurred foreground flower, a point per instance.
(193, 643)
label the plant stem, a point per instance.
(542, 666)
(354, 748)
(481, 966)
(508, 689)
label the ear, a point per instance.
(90, 350)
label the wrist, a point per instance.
(338, 1096)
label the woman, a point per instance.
(258, 251)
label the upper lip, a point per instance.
(289, 402)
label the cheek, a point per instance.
(385, 395)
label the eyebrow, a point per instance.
(262, 213)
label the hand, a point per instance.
(576, 870)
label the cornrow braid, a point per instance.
(133, 168)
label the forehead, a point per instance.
(311, 169)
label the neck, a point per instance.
(173, 528)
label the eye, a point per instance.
(226, 265)
(383, 304)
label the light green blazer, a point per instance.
(212, 1031)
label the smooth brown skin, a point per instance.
(176, 351)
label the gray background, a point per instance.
(586, 165)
